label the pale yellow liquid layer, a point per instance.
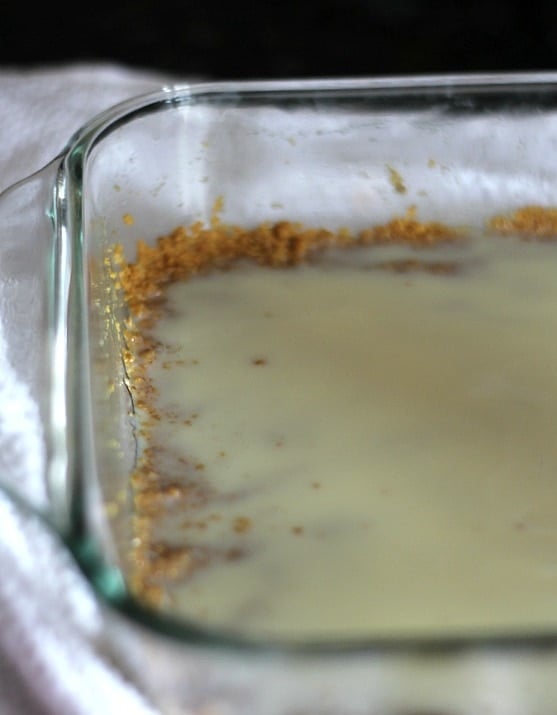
(384, 444)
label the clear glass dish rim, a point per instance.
(180, 92)
(66, 211)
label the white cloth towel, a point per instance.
(52, 659)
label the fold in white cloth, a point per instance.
(52, 658)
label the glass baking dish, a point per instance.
(332, 153)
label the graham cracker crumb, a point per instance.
(528, 222)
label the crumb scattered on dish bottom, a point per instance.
(347, 435)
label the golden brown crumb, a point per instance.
(188, 251)
(217, 209)
(407, 230)
(241, 524)
(396, 180)
(153, 498)
(528, 222)
(169, 561)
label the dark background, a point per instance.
(245, 39)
